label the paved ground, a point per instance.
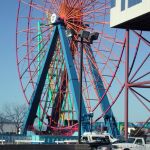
(46, 147)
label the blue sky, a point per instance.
(10, 91)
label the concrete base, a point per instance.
(46, 147)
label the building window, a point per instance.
(113, 3)
(133, 2)
(123, 5)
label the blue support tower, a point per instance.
(72, 75)
(109, 118)
(35, 99)
(59, 30)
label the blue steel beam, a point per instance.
(72, 75)
(109, 118)
(35, 99)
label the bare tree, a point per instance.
(16, 114)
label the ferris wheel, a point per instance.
(48, 49)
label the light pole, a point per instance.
(89, 37)
(80, 98)
(83, 35)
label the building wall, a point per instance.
(9, 128)
(125, 10)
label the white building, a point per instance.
(132, 14)
(7, 126)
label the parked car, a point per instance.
(133, 143)
(96, 140)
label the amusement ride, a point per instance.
(51, 37)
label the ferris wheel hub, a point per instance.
(54, 18)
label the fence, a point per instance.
(11, 139)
